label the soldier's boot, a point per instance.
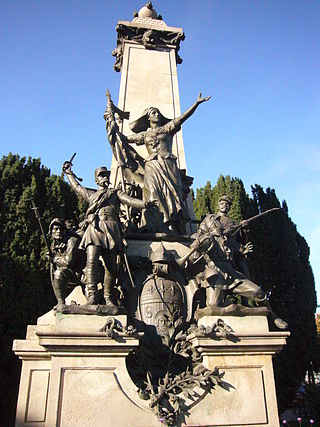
(279, 323)
(58, 293)
(92, 294)
(107, 293)
(214, 297)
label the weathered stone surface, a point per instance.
(73, 375)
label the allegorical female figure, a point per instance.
(162, 182)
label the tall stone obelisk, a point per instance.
(147, 56)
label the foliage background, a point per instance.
(280, 264)
(25, 291)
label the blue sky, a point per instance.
(259, 59)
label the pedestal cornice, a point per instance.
(265, 343)
(151, 33)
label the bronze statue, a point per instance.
(236, 232)
(158, 173)
(162, 181)
(66, 259)
(219, 271)
(224, 204)
(102, 235)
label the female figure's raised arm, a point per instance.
(179, 120)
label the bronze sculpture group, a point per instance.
(94, 255)
(137, 252)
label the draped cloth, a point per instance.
(162, 182)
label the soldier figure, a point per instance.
(220, 274)
(225, 222)
(228, 226)
(66, 259)
(102, 235)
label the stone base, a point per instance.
(74, 375)
(231, 310)
(100, 310)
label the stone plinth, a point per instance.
(249, 396)
(73, 375)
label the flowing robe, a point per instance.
(162, 181)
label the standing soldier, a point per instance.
(102, 235)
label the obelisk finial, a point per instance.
(147, 11)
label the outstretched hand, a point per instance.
(248, 248)
(200, 99)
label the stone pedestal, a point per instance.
(74, 375)
(249, 397)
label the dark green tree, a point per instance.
(207, 198)
(280, 265)
(25, 291)
(202, 202)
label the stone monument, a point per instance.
(144, 332)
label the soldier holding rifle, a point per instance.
(219, 270)
(66, 260)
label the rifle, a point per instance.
(38, 216)
(181, 261)
(234, 229)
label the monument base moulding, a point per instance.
(74, 375)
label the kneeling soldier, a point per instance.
(66, 259)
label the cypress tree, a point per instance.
(202, 202)
(280, 265)
(25, 291)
